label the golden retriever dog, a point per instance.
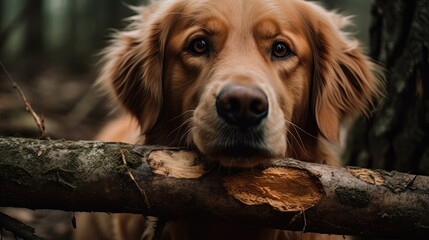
(241, 82)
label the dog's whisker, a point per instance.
(300, 143)
(186, 122)
(299, 128)
(289, 144)
(182, 114)
(187, 137)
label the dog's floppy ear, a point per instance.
(133, 65)
(344, 80)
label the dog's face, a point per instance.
(241, 80)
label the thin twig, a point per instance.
(160, 223)
(18, 228)
(39, 120)
(133, 179)
(73, 221)
(411, 182)
(159, 228)
(305, 221)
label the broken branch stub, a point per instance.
(283, 194)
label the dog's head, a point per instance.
(240, 80)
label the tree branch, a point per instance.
(40, 122)
(284, 194)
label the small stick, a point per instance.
(160, 224)
(159, 228)
(73, 221)
(18, 228)
(39, 120)
(305, 221)
(133, 179)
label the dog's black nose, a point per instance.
(241, 105)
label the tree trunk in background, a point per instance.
(397, 136)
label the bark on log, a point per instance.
(284, 194)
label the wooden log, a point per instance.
(174, 183)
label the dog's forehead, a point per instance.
(242, 13)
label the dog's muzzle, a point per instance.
(242, 106)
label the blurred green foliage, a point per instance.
(60, 31)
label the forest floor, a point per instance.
(72, 109)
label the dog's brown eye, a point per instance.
(199, 46)
(280, 50)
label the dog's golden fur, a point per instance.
(169, 68)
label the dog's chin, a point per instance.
(233, 147)
(239, 156)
